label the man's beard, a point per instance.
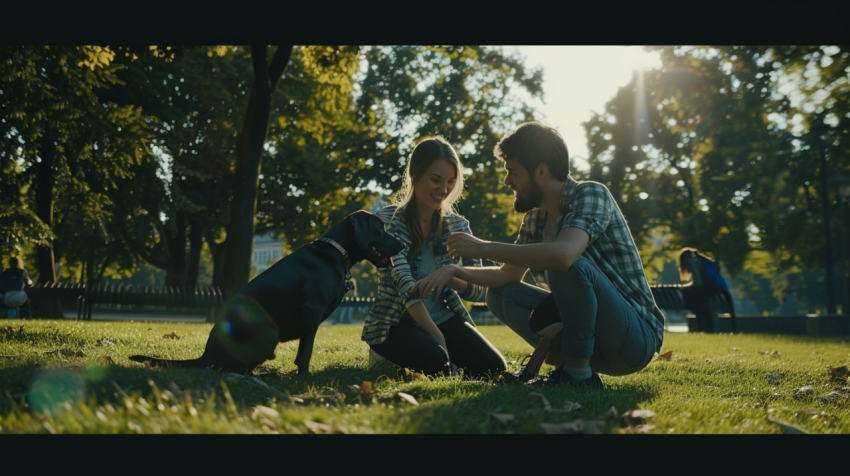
(529, 198)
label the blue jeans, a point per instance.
(598, 321)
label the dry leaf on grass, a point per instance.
(366, 387)
(321, 428)
(107, 360)
(804, 391)
(634, 421)
(787, 428)
(264, 412)
(539, 401)
(408, 398)
(665, 356)
(171, 336)
(772, 377)
(773, 352)
(838, 372)
(579, 426)
(503, 419)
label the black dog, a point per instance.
(289, 300)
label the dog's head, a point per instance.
(376, 245)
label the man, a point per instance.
(600, 308)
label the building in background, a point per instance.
(267, 251)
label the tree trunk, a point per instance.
(195, 245)
(44, 198)
(217, 251)
(175, 273)
(249, 153)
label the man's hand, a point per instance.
(464, 244)
(435, 281)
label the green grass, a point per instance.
(713, 384)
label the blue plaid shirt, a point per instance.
(590, 206)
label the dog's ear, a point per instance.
(361, 229)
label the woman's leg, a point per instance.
(408, 346)
(470, 350)
(599, 322)
(512, 304)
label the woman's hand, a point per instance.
(435, 281)
(464, 244)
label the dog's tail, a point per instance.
(155, 362)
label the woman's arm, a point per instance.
(421, 316)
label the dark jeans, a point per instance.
(598, 321)
(407, 345)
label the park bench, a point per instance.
(86, 297)
(671, 297)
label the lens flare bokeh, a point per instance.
(51, 388)
(245, 329)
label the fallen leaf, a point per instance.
(408, 398)
(635, 418)
(803, 391)
(638, 429)
(772, 377)
(367, 388)
(107, 360)
(503, 419)
(579, 426)
(568, 407)
(171, 336)
(417, 376)
(787, 428)
(319, 428)
(643, 413)
(665, 356)
(266, 412)
(774, 352)
(539, 401)
(838, 372)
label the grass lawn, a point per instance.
(73, 377)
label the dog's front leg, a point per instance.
(312, 319)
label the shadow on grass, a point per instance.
(453, 405)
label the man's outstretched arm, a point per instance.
(558, 255)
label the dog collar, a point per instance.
(341, 250)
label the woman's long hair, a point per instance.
(685, 271)
(424, 154)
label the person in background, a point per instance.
(696, 293)
(12, 282)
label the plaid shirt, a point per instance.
(590, 206)
(394, 285)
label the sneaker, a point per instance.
(559, 377)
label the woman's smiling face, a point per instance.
(435, 185)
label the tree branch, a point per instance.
(279, 62)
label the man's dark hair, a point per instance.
(535, 143)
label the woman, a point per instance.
(702, 281)
(427, 329)
(12, 283)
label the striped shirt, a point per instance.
(394, 284)
(590, 206)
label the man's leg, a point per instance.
(512, 304)
(601, 328)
